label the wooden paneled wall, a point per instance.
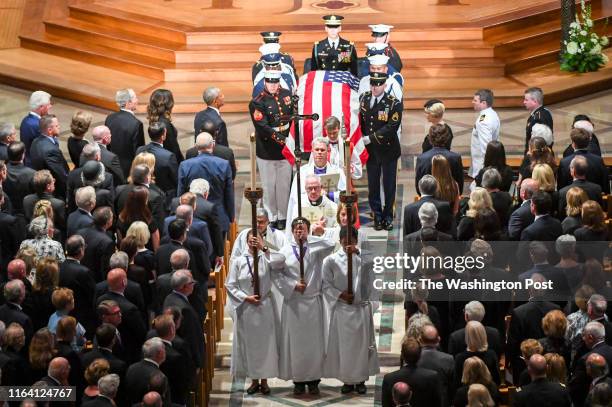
(11, 13)
(36, 11)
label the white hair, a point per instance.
(595, 329)
(542, 130)
(6, 129)
(428, 215)
(474, 310)
(585, 125)
(108, 385)
(123, 97)
(199, 186)
(204, 140)
(152, 347)
(85, 196)
(320, 140)
(210, 94)
(38, 99)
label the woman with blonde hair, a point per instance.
(159, 109)
(538, 153)
(478, 396)
(147, 159)
(96, 369)
(434, 112)
(556, 370)
(477, 345)
(574, 197)
(78, 127)
(44, 208)
(145, 257)
(545, 176)
(41, 351)
(473, 371)
(448, 189)
(479, 199)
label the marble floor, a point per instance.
(389, 320)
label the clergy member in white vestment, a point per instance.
(486, 129)
(316, 207)
(351, 347)
(273, 238)
(302, 319)
(256, 322)
(336, 149)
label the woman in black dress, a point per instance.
(160, 110)
(593, 235)
(434, 110)
(78, 126)
(136, 209)
(495, 157)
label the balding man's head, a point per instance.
(185, 212)
(179, 259)
(14, 291)
(117, 280)
(59, 368)
(205, 142)
(429, 336)
(16, 269)
(596, 365)
(528, 187)
(101, 134)
(401, 393)
(537, 366)
(152, 399)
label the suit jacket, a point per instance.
(519, 220)
(456, 342)
(46, 155)
(545, 228)
(127, 135)
(175, 369)
(446, 221)
(132, 328)
(423, 165)
(425, 385)
(137, 381)
(219, 175)
(99, 401)
(210, 114)
(219, 151)
(198, 230)
(198, 302)
(157, 201)
(444, 365)
(28, 131)
(166, 167)
(542, 392)
(78, 220)
(191, 327)
(18, 184)
(80, 280)
(98, 251)
(199, 262)
(58, 205)
(132, 292)
(75, 182)
(12, 233)
(591, 189)
(597, 171)
(10, 313)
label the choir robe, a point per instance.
(302, 319)
(256, 327)
(351, 355)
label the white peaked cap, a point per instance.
(271, 48)
(376, 46)
(378, 60)
(381, 28)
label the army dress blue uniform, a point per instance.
(334, 54)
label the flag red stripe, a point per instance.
(326, 109)
(346, 110)
(307, 124)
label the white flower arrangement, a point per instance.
(584, 50)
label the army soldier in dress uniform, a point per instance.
(270, 111)
(380, 33)
(334, 53)
(534, 102)
(486, 129)
(380, 115)
(541, 391)
(273, 37)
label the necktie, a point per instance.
(374, 101)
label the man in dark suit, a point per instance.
(40, 105)
(91, 173)
(214, 99)
(597, 171)
(102, 137)
(446, 221)
(127, 130)
(597, 369)
(14, 294)
(578, 171)
(46, 154)
(474, 311)
(141, 176)
(522, 216)
(133, 328)
(541, 391)
(108, 387)
(105, 340)
(191, 328)
(44, 186)
(77, 277)
(539, 255)
(18, 182)
(525, 323)
(99, 245)
(440, 362)
(166, 166)
(8, 135)
(139, 374)
(425, 383)
(196, 228)
(81, 218)
(593, 336)
(439, 136)
(218, 174)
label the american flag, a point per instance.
(328, 93)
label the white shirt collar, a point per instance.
(152, 361)
(35, 114)
(215, 109)
(332, 42)
(539, 216)
(127, 110)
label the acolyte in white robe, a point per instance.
(329, 210)
(351, 355)
(274, 239)
(302, 319)
(256, 327)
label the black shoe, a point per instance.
(388, 225)
(361, 388)
(265, 389)
(347, 388)
(313, 389)
(254, 388)
(282, 224)
(299, 389)
(378, 225)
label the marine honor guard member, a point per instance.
(380, 34)
(270, 111)
(334, 53)
(486, 129)
(271, 61)
(273, 37)
(380, 116)
(534, 102)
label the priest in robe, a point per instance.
(316, 207)
(351, 355)
(303, 323)
(256, 322)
